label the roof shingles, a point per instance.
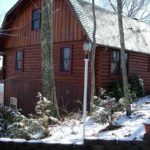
(137, 34)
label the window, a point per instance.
(19, 60)
(115, 62)
(65, 59)
(36, 19)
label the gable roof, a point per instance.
(137, 34)
(12, 11)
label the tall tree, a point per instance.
(93, 54)
(123, 61)
(49, 89)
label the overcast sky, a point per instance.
(5, 5)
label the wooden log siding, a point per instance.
(25, 85)
(25, 91)
(69, 85)
(65, 26)
(138, 64)
(21, 28)
(66, 31)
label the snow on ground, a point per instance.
(132, 127)
(70, 131)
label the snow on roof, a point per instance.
(137, 34)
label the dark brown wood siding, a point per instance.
(20, 30)
(70, 85)
(23, 84)
(66, 26)
(27, 83)
(138, 64)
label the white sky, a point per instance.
(5, 5)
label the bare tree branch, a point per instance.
(113, 6)
(132, 8)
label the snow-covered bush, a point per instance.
(18, 130)
(15, 125)
(35, 128)
(43, 111)
(12, 115)
(104, 108)
(3, 127)
(43, 106)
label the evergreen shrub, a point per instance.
(136, 87)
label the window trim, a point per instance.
(33, 20)
(118, 76)
(60, 69)
(17, 69)
(111, 54)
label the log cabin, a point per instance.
(72, 22)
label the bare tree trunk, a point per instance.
(49, 89)
(123, 61)
(93, 56)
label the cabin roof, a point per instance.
(137, 34)
(12, 10)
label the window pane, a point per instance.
(115, 56)
(19, 55)
(36, 14)
(19, 65)
(115, 69)
(65, 59)
(126, 57)
(36, 24)
(19, 60)
(67, 65)
(66, 53)
(36, 19)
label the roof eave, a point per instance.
(10, 11)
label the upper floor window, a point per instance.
(19, 60)
(115, 62)
(65, 59)
(36, 19)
